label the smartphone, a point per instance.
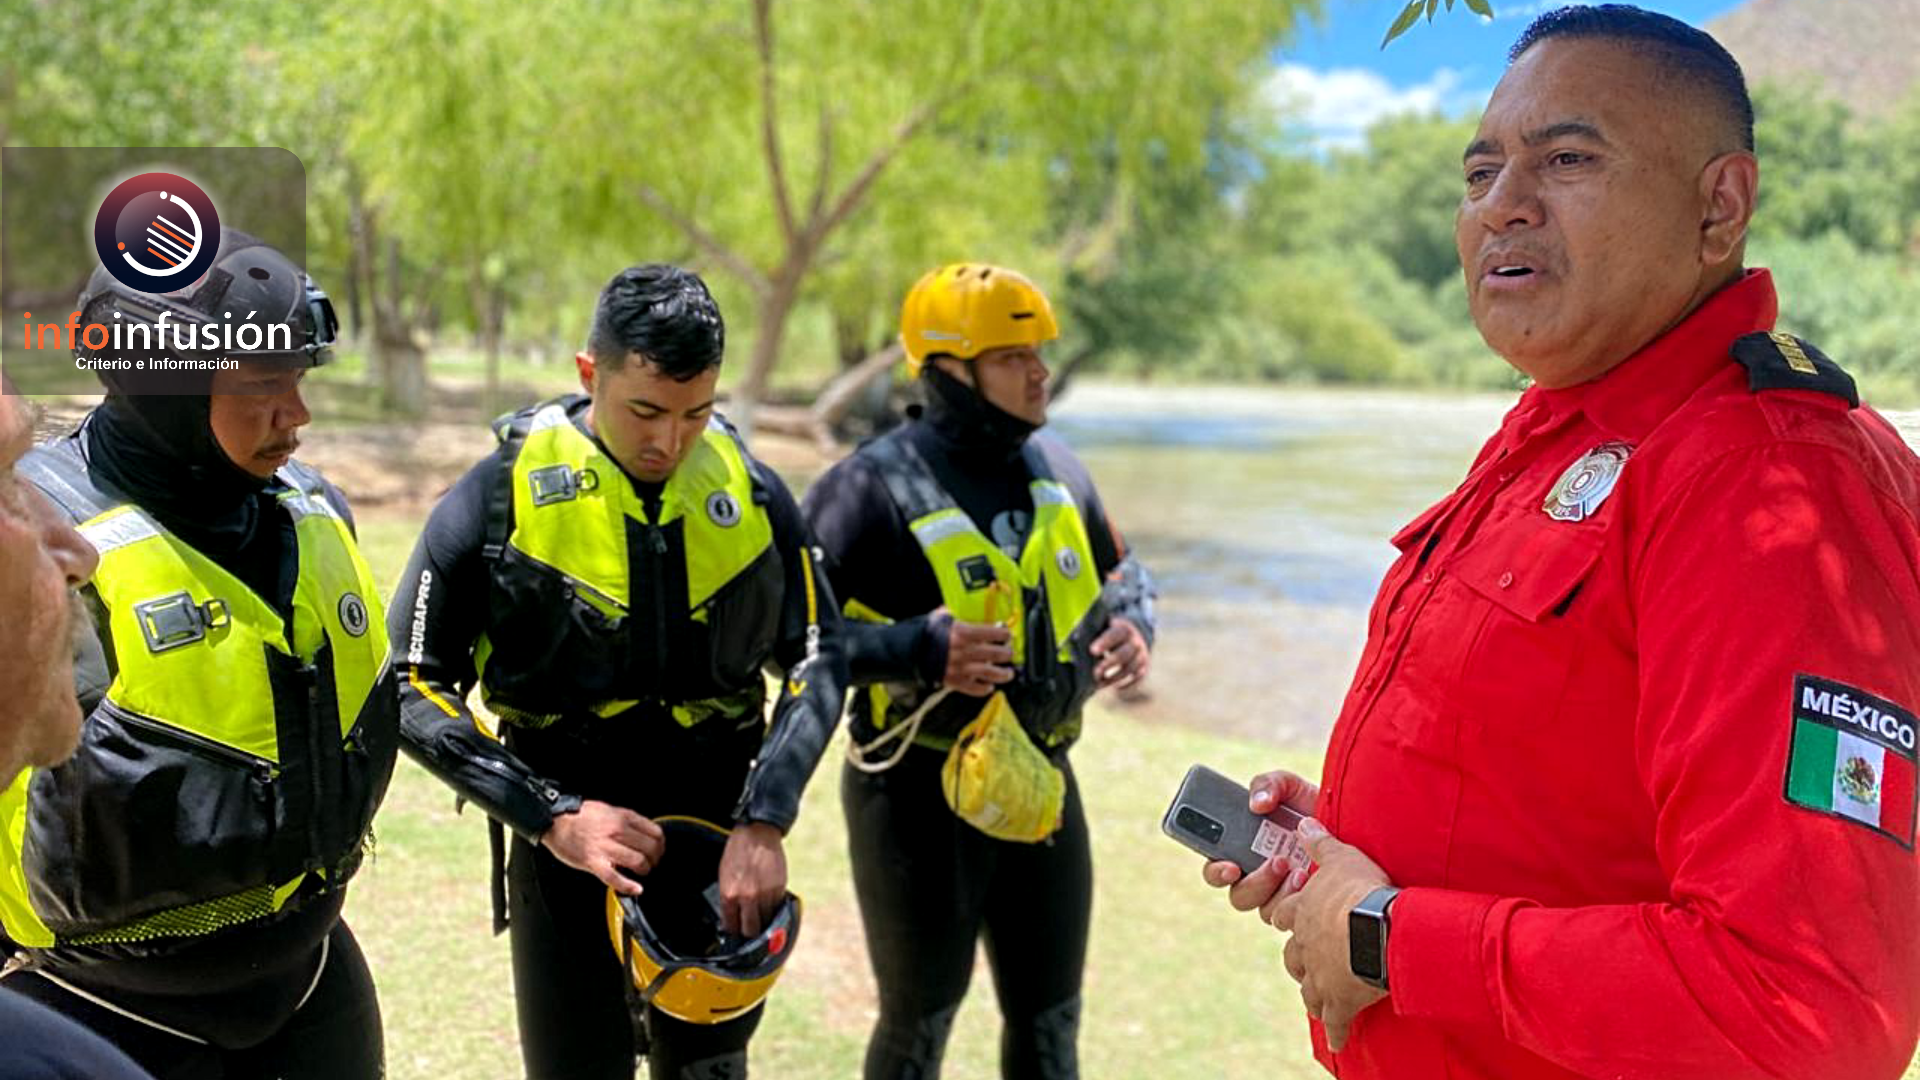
(1209, 814)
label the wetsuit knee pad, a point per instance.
(919, 1042)
(731, 1065)
(1044, 1046)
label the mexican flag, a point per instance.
(1841, 773)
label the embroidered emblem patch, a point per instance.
(1587, 483)
(1853, 756)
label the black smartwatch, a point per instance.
(1367, 927)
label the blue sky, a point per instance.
(1335, 77)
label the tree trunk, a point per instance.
(488, 302)
(770, 326)
(1063, 375)
(403, 374)
(359, 266)
(846, 389)
(396, 347)
(850, 338)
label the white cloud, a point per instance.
(1339, 104)
(1528, 11)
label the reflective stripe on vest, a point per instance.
(980, 583)
(191, 640)
(571, 504)
(202, 628)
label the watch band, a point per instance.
(1368, 925)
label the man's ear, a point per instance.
(583, 363)
(1728, 187)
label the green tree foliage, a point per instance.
(1839, 225)
(1411, 14)
(1823, 173)
(808, 154)
(476, 169)
(1340, 266)
(1861, 307)
(811, 154)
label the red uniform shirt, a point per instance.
(1570, 740)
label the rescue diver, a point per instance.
(976, 559)
(177, 885)
(614, 578)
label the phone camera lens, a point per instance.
(1200, 825)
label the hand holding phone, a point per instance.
(1209, 814)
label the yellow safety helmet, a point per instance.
(669, 938)
(964, 309)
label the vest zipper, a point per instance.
(265, 771)
(315, 854)
(656, 547)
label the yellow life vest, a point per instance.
(237, 758)
(573, 549)
(1050, 598)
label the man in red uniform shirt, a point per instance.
(1624, 785)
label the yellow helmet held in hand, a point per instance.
(670, 939)
(964, 309)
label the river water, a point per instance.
(1264, 513)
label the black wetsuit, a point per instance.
(284, 997)
(573, 1012)
(929, 884)
(37, 1043)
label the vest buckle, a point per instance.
(170, 622)
(976, 572)
(559, 483)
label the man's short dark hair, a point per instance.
(1677, 49)
(663, 313)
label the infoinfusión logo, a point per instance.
(157, 232)
(152, 218)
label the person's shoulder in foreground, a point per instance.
(37, 1043)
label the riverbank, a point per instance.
(1263, 512)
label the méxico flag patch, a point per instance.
(1853, 756)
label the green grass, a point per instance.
(1178, 985)
(1174, 977)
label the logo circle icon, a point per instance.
(1069, 562)
(157, 232)
(353, 615)
(724, 509)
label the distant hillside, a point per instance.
(1864, 52)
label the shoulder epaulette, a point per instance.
(1778, 361)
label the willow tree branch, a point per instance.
(706, 241)
(769, 120)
